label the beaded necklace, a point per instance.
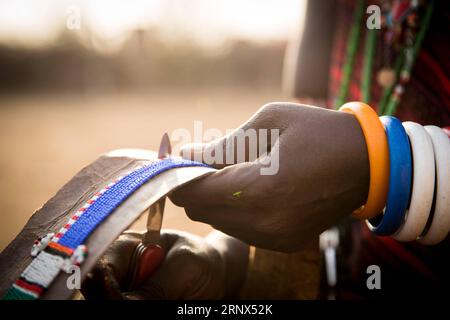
(404, 25)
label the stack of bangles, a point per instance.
(409, 190)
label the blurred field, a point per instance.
(46, 139)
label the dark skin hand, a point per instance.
(323, 176)
(213, 267)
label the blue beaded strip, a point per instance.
(54, 253)
(400, 174)
(114, 196)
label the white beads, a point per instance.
(41, 243)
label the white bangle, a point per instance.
(422, 185)
(440, 226)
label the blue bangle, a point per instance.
(400, 172)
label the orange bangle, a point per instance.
(377, 148)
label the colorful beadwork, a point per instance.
(404, 25)
(60, 251)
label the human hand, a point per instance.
(323, 176)
(194, 268)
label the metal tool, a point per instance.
(149, 254)
(329, 242)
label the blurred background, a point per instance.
(80, 78)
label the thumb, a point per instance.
(248, 142)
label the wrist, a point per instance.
(357, 164)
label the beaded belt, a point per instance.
(59, 251)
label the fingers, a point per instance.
(101, 283)
(109, 275)
(246, 143)
(246, 225)
(192, 270)
(226, 245)
(235, 254)
(234, 186)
